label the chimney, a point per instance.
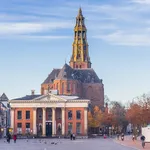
(32, 92)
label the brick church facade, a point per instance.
(78, 78)
(62, 106)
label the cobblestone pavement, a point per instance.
(136, 144)
(62, 144)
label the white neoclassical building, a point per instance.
(49, 115)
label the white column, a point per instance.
(34, 122)
(53, 122)
(63, 121)
(85, 121)
(12, 115)
(44, 122)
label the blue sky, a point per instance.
(36, 36)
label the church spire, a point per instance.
(80, 12)
(80, 56)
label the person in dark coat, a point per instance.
(143, 140)
(71, 136)
(8, 138)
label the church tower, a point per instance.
(80, 55)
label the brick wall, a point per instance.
(94, 92)
(74, 120)
(23, 120)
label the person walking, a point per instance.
(122, 136)
(8, 137)
(143, 140)
(74, 137)
(118, 136)
(133, 138)
(15, 138)
(71, 136)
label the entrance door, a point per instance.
(48, 128)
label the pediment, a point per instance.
(50, 98)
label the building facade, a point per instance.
(77, 78)
(61, 108)
(4, 115)
(49, 115)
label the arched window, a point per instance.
(62, 88)
(83, 34)
(74, 88)
(68, 87)
(57, 86)
(75, 33)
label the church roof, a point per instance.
(65, 72)
(28, 97)
(3, 97)
(52, 76)
(87, 75)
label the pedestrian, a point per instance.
(118, 136)
(8, 137)
(71, 136)
(104, 136)
(122, 136)
(74, 137)
(133, 138)
(15, 138)
(143, 140)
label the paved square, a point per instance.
(62, 144)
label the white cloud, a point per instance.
(102, 21)
(31, 27)
(128, 39)
(141, 1)
(4, 17)
(46, 37)
(35, 37)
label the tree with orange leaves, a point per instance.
(95, 117)
(138, 114)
